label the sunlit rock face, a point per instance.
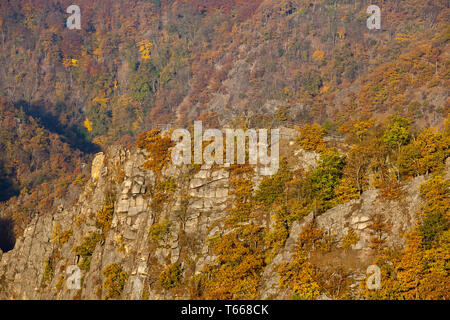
(196, 210)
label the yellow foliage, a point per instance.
(277, 237)
(86, 248)
(434, 149)
(403, 37)
(389, 187)
(100, 99)
(421, 270)
(115, 280)
(447, 126)
(299, 274)
(101, 141)
(239, 265)
(88, 124)
(345, 191)
(159, 231)
(59, 236)
(242, 190)
(361, 128)
(104, 218)
(310, 137)
(171, 276)
(287, 92)
(325, 88)
(349, 239)
(157, 146)
(144, 49)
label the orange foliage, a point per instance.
(158, 147)
(310, 137)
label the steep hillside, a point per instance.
(36, 165)
(179, 233)
(154, 62)
(136, 65)
(127, 242)
(363, 168)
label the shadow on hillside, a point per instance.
(69, 134)
(7, 187)
(7, 237)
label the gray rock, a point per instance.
(127, 242)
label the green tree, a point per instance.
(327, 174)
(436, 220)
(397, 132)
(144, 82)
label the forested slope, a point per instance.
(370, 107)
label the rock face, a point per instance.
(196, 210)
(97, 165)
(358, 215)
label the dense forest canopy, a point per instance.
(373, 104)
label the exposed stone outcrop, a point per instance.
(205, 192)
(357, 214)
(97, 165)
(196, 210)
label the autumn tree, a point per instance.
(345, 191)
(157, 146)
(299, 275)
(239, 264)
(435, 211)
(397, 132)
(115, 279)
(420, 270)
(426, 154)
(310, 137)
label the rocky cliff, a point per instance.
(122, 193)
